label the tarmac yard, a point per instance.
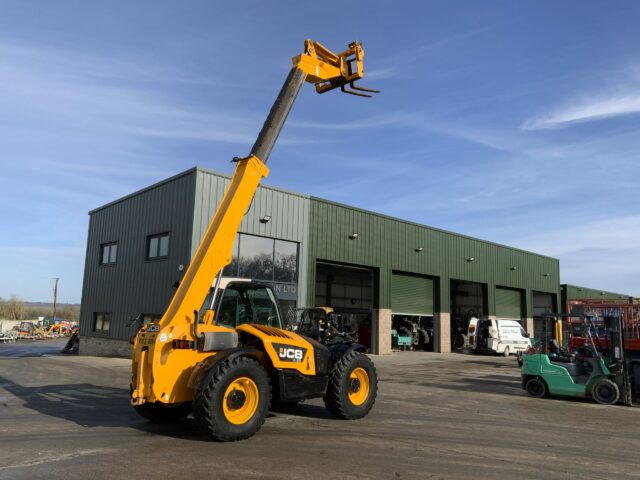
(437, 416)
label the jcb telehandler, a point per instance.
(221, 352)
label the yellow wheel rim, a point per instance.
(358, 385)
(240, 400)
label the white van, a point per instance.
(502, 336)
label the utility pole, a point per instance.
(55, 296)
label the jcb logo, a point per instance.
(287, 353)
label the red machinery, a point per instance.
(630, 313)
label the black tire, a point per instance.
(209, 403)
(605, 392)
(337, 398)
(536, 388)
(506, 352)
(157, 412)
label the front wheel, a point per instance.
(506, 352)
(606, 392)
(536, 388)
(353, 387)
(234, 404)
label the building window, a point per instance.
(101, 322)
(256, 257)
(285, 262)
(108, 253)
(261, 258)
(158, 246)
(151, 318)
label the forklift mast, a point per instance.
(622, 367)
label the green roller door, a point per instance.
(411, 294)
(508, 303)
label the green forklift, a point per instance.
(584, 373)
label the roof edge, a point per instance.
(441, 230)
(144, 190)
(318, 199)
(606, 292)
(262, 185)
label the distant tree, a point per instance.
(69, 313)
(32, 313)
(14, 308)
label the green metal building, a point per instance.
(370, 268)
(569, 293)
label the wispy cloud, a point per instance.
(381, 73)
(376, 121)
(117, 100)
(587, 110)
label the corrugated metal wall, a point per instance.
(182, 205)
(289, 216)
(135, 285)
(390, 244)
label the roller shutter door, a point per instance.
(508, 303)
(411, 294)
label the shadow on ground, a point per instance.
(93, 406)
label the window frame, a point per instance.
(237, 259)
(108, 245)
(95, 322)
(159, 237)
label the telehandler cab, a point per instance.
(221, 352)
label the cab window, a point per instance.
(233, 309)
(264, 306)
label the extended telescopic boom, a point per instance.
(316, 65)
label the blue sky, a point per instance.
(515, 122)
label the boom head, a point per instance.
(328, 70)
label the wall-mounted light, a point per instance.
(545, 274)
(265, 219)
(602, 293)
(470, 259)
(353, 236)
(419, 249)
(579, 289)
(513, 268)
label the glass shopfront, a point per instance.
(268, 260)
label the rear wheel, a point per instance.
(536, 388)
(506, 352)
(605, 392)
(353, 386)
(235, 402)
(163, 413)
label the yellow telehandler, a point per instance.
(221, 351)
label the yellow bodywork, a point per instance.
(559, 332)
(160, 371)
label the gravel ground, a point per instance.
(437, 416)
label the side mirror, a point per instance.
(527, 335)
